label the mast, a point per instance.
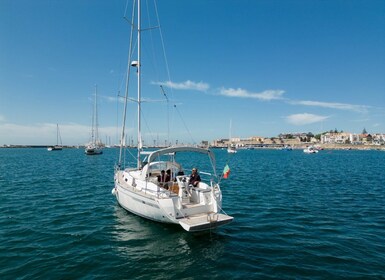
(92, 123)
(139, 86)
(230, 132)
(96, 114)
(57, 134)
(136, 64)
(123, 136)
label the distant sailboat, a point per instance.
(231, 148)
(95, 146)
(57, 147)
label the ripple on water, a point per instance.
(296, 216)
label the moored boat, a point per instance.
(95, 146)
(57, 147)
(310, 150)
(287, 148)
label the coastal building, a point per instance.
(220, 143)
(301, 139)
(251, 141)
(353, 138)
(378, 139)
(336, 138)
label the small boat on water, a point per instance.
(95, 146)
(140, 191)
(57, 147)
(310, 150)
(287, 148)
(231, 149)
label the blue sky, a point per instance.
(269, 66)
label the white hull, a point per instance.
(231, 151)
(195, 209)
(93, 150)
(55, 148)
(310, 150)
(141, 205)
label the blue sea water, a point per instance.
(297, 216)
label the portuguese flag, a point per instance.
(226, 172)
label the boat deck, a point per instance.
(205, 221)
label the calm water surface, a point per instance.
(318, 216)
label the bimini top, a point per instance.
(178, 149)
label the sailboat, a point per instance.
(138, 190)
(231, 148)
(57, 147)
(95, 146)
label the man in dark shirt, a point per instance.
(163, 179)
(194, 178)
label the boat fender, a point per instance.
(114, 191)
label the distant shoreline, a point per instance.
(37, 146)
(264, 146)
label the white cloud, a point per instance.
(305, 118)
(187, 85)
(241, 93)
(332, 105)
(114, 99)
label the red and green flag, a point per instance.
(226, 172)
